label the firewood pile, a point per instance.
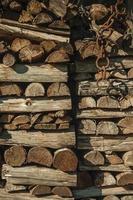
(66, 100)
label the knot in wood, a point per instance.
(28, 102)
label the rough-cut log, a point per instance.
(62, 191)
(114, 159)
(105, 144)
(87, 126)
(110, 168)
(21, 119)
(94, 158)
(14, 188)
(34, 73)
(5, 118)
(35, 90)
(10, 89)
(96, 192)
(25, 196)
(104, 179)
(38, 175)
(58, 89)
(128, 158)
(87, 102)
(99, 113)
(37, 138)
(40, 155)
(58, 56)
(84, 180)
(15, 156)
(31, 105)
(42, 19)
(58, 7)
(125, 178)
(19, 43)
(9, 59)
(30, 34)
(126, 125)
(107, 128)
(48, 46)
(40, 190)
(88, 88)
(111, 197)
(31, 53)
(65, 160)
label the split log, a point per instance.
(33, 106)
(25, 17)
(107, 102)
(3, 47)
(30, 34)
(62, 191)
(104, 179)
(45, 119)
(64, 126)
(58, 7)
(58, 56)
(31, 53)
(8, 89)
(15, 6)
(126, 125)
(35, 7)
(105, 144)
(107, 128)
(34, 118)
(62, 120)
(65, 160)
(24, 126)
(9, 59)
(48, 46)
(58, 89)
(42, 19)
(45, 126)
(35, 90)
(40, 155)
(87, 126)
(98, 12)
(125, 178)
(40, 190)
(130, 74)
(19, 43)
(128, 158)
(6, 118)
(67, 47)
(114, 159)
(130, 197)
(94, 158)
(25, 196)
(111, 197)
(21, 119)
(87, 102)
(14, 188)
(84, 180)
(96, 192)
(99, 113)
(37, 175)
(53, 140)
(34, 73)
(109, 168)
(10, 127)
(15, 156)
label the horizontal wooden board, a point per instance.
(30, 105)
(100, 113)
(34, 73)
(33, 175)
(37, 138)
(96, 192)
(118, 143)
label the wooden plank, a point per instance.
(96, 192)
(92, 88)
(33, 35)
(32, 175)
(26, 196)
(90, 64)
(118, 143)
(31, 105)
(34, 73)
(37, 138)
(99, 113)
(111, 168)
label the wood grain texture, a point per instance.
(34, 73)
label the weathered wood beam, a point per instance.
(33, 175)
(37, 138)
(31, 105)
(34, 73)
(118, 143)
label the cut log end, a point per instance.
(62, 191)
(35, 90)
